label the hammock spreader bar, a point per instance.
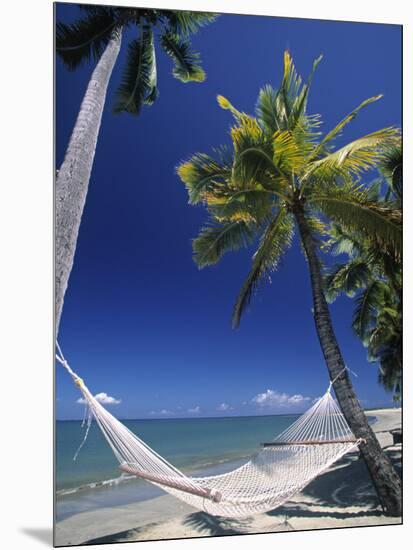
(264, 482)
(308, 442)
(177, 483)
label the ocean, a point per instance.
(196, 446)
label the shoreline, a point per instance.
(203, 468)
(341, 497)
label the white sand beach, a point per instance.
(342, 497)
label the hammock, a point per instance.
(279, 470)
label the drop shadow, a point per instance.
(121, 536)
(44, 536)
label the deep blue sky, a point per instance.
(140, 321)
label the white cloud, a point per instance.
(273, 399)
(162, 412)
(224, 407)
(103, 398)
(195, 410)
(297, 398)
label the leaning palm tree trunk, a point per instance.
(385, 478)
(73, 178)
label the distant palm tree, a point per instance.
(281, 175)
(374, 277)
(98, 35)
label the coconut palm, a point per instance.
(374, 278)
(97, 35)
(280, 176)
(391, 167)
(377, 317)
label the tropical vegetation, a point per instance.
(373, 277)
(279, 177)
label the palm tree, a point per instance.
(374, 278)
(377, 317)
(281, 175)
(98, 35)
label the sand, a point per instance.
(341, 497)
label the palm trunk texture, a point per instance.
(72, 181)
(386, 480)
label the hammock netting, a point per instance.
(281, 468)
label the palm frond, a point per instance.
(185, 23)
(377, 319)
(317, 227)
(266, 110)
(390, 371)
(347, 278)
(85, 39)
(225, 104)
(276, 239)
(381, 334)
(218, 238)
(270, 194)
(374, 190)
(367, 304)
(290, 155)
(92, 9)
(252, 204)
(254, 163)
(355, 157)
(337, 130)
(300, 102)
(290, 86)
(202, 173)
(187, 66)
(253, 153)
(341, 242)
(350, 207)
(138, 85)
(246, 134)
(385, 347)
(391, 166)
(284, 109)
(153, 75)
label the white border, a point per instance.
(26, 270)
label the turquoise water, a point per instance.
(190, 444)
(203, 446)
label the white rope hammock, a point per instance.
(280, 469)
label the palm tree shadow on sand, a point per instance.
(200, 521)
(215, 525)
(347, 485)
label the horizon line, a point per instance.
(218, 417)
